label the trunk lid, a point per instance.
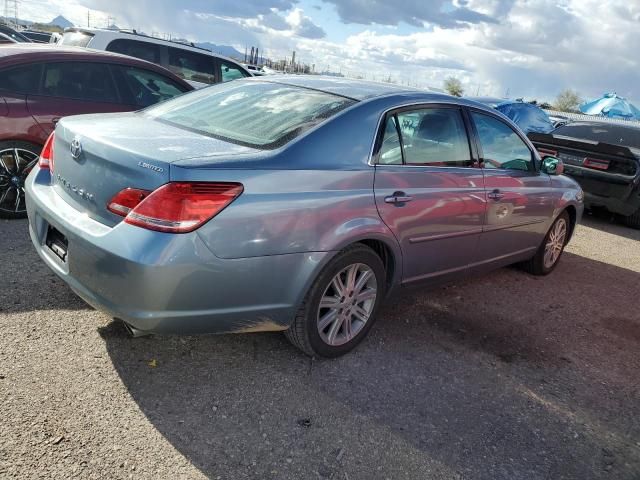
(606, 170)
(97, 156)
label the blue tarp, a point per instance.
(527, 116)
(612, 106)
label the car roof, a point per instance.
(491, 101)
(345, 87)
(51, 50)
(30, 52)
(141, 37)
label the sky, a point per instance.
(515, 48)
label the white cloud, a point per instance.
(533, 48)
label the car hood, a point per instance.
(146, 137)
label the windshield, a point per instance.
(256, 114)
(611, 134)
(76, 39)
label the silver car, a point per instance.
(290, 203)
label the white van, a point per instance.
(198, 66)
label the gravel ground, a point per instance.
(502, 377)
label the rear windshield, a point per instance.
(75, 39)
(612, 134)
(256, 114)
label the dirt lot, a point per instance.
(503, 377)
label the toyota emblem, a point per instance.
(76, 148)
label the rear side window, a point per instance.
(76, 39)
(611, 134)
(143, 87)
(81, 81)
(192, 66)
(23, 79)
(135, 48)
(231, 71)
(261, 115)
(434, 137)
(391, 148)
(501, 146)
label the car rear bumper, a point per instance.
(624, 207)
(166, 283)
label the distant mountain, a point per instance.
(61, 22)
(9, 20)
(225, 50)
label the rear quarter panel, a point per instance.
(282, 212)
(314, 195)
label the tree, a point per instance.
(567, 101)
(453, 86)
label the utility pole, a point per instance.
(8, 10)
(88, 18)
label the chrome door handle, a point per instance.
(495, 195)
(398, 197)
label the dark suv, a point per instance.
(40, 84)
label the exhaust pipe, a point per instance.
(133, 331)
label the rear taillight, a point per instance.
(46, 156)
(127, 200)
(596, 163)
(176, 207)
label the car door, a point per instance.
(16, 82)
(429, 190)
(519, 198)
(74, 88)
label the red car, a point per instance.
(39, 84)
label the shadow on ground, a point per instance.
(27, 283)
(609, 223)
(503, 377)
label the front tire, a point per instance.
(341, 305)
(548, 255)
(17, 159)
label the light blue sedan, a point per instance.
(290, 203)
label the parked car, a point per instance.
(199, 66)
(13, 34)
(6, 39)
(290, 204)
(40, 84)
(38, 37)
(604, 158)
(255, 70)
(558, 120)
(529, 117)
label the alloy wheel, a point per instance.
(15, 165)
(347, 304)
(555, 243)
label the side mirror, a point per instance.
(552, 166)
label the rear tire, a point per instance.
(548, 255)
(17, 158)
(633, 220)
(341, 305)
